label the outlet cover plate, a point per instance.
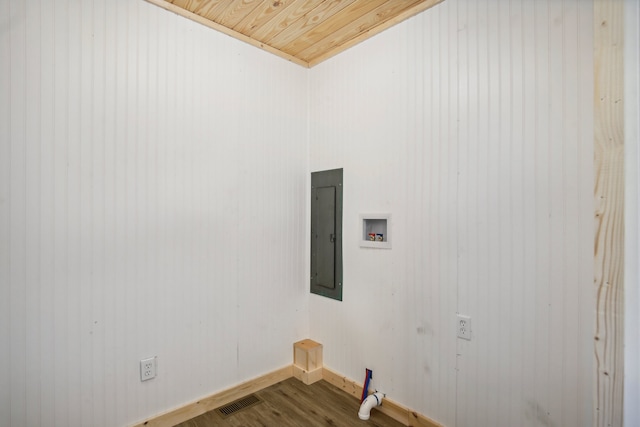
(147, 368)
(463, 326)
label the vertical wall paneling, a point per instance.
(59, 110)
(461, 27)
(47, 372)
(631, 196)
(151, 203)
(609, 211)
(32, 234)
(5, 217)
(487, 146)
(585, 131)
(17, 213)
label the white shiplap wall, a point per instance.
(472, 125)
(151, 203)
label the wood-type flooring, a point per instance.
(291, 403)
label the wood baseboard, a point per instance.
(396, 411)
(214, 401)
(307, 377)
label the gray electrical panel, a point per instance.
(326, 233)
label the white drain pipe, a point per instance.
(372, 400)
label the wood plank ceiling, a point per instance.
(303, 31)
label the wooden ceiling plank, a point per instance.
(220, 10)
(324, 11)
(237, 11)
(214, 25)
(352, 29)
(199, 7)
(208, 7)
(305, 32)
(214, 10)
(262, 14)
(341, 19)
(188, 4)
(331, 46)
(296, 12)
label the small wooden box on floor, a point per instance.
(307, 361)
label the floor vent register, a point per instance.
(238, 405)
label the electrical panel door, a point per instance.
(326, 233)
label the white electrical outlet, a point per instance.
(147, 368)
(463, 326)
